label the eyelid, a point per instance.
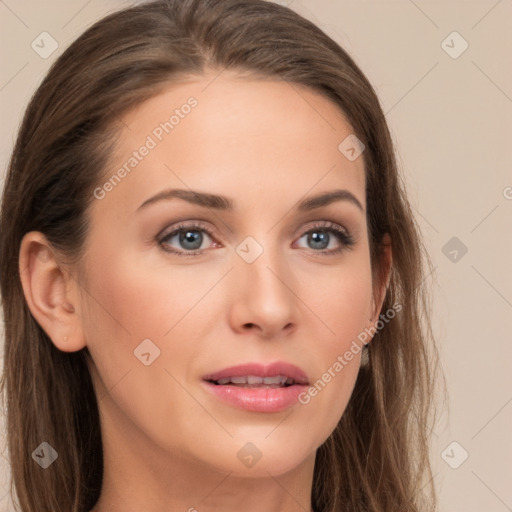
(187, 224)
(323, 224)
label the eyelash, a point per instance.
(346, 239)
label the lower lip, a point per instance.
(257, 399)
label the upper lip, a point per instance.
(261, 370)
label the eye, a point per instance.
(186, 239)
(328, 238)
(325, 238)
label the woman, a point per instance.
(212, 281)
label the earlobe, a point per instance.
(49, 293)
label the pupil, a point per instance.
(191, 237)
(319, 240)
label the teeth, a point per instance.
(253, 380)
(238, 380)
(278, 379)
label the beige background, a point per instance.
(451, 119)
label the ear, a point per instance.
(383, 278)
(51, 293)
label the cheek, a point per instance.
(138, 300)
(344, 309)
(342, 300)
(128, 302)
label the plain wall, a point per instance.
(451, 119)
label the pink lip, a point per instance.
(258, 399)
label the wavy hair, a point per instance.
(377, 457)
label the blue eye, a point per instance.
(320, 237)
(191, 237)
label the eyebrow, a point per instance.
(225, 204)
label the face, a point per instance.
(258, 281)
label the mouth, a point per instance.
(254, 381)
(257, 387)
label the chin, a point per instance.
(259, 456)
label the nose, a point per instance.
(263, 299)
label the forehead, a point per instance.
(236, 135)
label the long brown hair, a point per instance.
(377, 458)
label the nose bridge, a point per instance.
(265, 283)
(266, 276)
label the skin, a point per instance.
(168, 444)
